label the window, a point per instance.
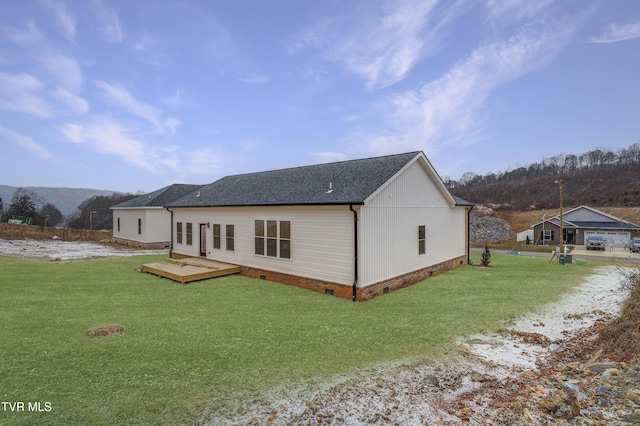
(273, 238)
(179, 232)
(285, 239)
(422, 239)
(189, 234)
(259, 239)
(139, 226)
(230, 237)
(216, 235)
(548, 235)
(118, 224)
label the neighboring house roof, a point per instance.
(340, 183)
(462, 202)
(596, 220)
(159, 198)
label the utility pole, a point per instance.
(559, 182)
(91, 219)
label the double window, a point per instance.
(230, 236)
(273, 238)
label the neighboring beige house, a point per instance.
(144, 221)
(354, 229)
(579, 223)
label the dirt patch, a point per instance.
(621, 337)
(106, 330)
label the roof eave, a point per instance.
(339, 203)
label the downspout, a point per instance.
(355, 252)
(171, 242)
(469, 235)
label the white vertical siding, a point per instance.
(389, 227)
(156, 224)
(128, 223)
(321, 239)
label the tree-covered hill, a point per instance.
(600, 177)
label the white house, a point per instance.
(354, 229)
(144, 221)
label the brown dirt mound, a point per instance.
(107, 330)
(620, 338)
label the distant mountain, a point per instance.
(66, 200)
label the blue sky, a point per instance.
(136, 95)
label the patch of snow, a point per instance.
(66, 250)
(417, 392)
(600, 294)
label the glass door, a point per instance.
(203, 240)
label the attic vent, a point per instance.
(330, 188)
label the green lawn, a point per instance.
(186, 347)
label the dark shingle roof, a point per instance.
(160, 197)
(606, 225)
(462, 201)
(345, 182)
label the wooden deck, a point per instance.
(190, 269)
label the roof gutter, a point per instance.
(469, 235)
(171, 241)
(355, 253)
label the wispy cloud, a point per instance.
(505, 12)
(144, 42)
(56, 69)
(76, 104)
(385, 50)
(26, 143)
(109, 137)
(174, 101)
(616, 32)
(64, 69)
(205, 160)
(108, 20)
(330, 157)
(119, 96)
(64, 18)
(24, 93)
(389, 39)
(448, 111)
(23, 36)
(255, 79)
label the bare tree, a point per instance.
(23, 203)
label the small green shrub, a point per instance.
(485, 260)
